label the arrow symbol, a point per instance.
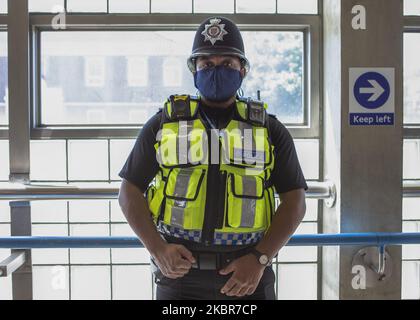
(376, 90)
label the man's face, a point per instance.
(216, 60)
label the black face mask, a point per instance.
(219, 83)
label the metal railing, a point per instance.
(19, 262)
(21, 244)
(379, 239)
(31, 192)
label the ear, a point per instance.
(243, 72)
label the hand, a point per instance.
(247, 273)
(174, 260)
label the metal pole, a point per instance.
(12, 263)
(345, 239)
(18, 78)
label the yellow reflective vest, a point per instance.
(213, 186)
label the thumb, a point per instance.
(186, 253)
(228, 269)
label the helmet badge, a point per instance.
(214, 31)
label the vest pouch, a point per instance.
(269, 203)
(184, 198)
(154, 200)
(246, 206)
(154, 195)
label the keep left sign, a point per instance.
(371, 96)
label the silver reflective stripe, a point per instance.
(249, 188)
(248, 143)
(177, 217)
(244, 125)
(181, 189)
(184, 130)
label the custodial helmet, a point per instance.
(218, 35)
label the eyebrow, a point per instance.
(224, 59)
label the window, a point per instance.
(215, 6)
(87, 6)
(410, 253)
(3, 80)
(88, 160)
(4, 160)
(412, 7)
(411, 78)
(118, 81)
(109, 80)
(3, 6)
(130, 79)
(138, 116)
(171, 6)
(294, 278)
(251, 6)
(172, 72)
(53, 167)
(45, 5)
(411, 152)
(297, 6)
(129, 6)
(137, 71)
(184, 6)
(263, 6)
(277, 72)
(63, 273)
(411, 167)
(94, 71)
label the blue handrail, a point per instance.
(379, 239)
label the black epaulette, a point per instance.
(179, 107)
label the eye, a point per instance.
(229, 64)
(206, 65)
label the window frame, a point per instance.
(411, 131)
(308, 24)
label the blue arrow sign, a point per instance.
(371, 90)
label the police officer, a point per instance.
(208, 217)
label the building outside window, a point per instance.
(94, 71)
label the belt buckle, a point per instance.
(207, 261)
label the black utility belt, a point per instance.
(212, 260)
(216, 260)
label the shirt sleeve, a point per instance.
(141, 165)
(287, 174)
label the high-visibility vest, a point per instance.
(236, 206)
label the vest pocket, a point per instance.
(270, 204)
(150, 195)
(246, 203)
(184, 206)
